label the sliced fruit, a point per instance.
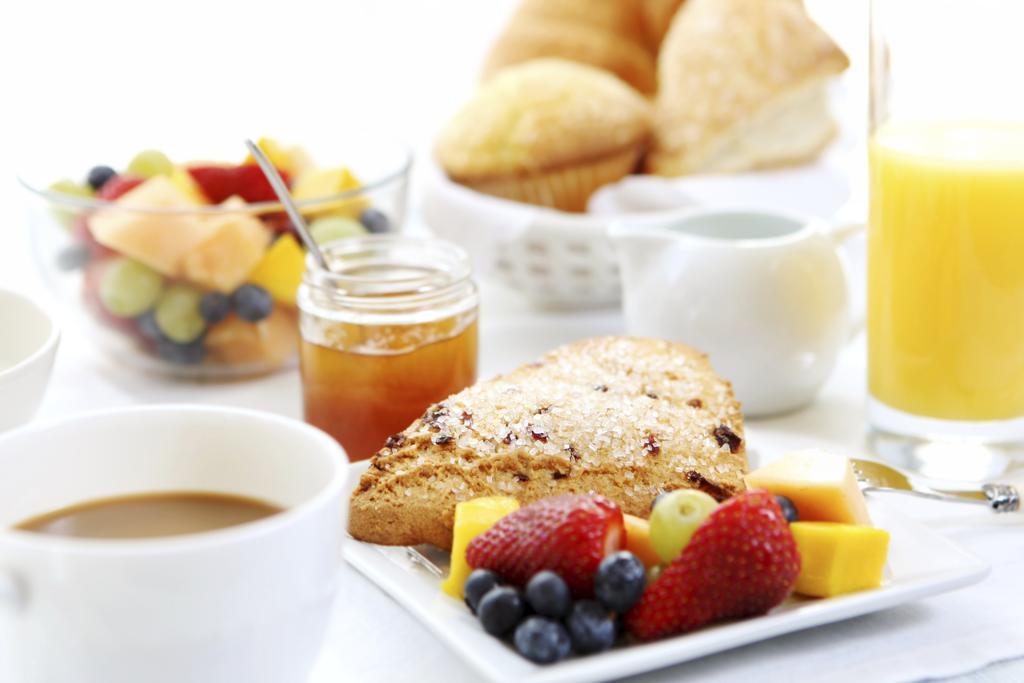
(638, 540)
(331, 228)
(177, 314)
(322, 183)
(159, 239)
(129, 288)
(269, 342)
(569, 535)
(219, 182)
(674, 519)
(187, 185)
(118, 186)
(149, 163)
(822, 485)
(839, 558)
(472, 518)
(741, 562)
(222, 261)
(280, 270)
(292, 160)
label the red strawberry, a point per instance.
(117, 186)
(246, 181)
(569, 535)
(742, 561)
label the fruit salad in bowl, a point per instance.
(190, 267)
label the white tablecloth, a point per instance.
(372, 638)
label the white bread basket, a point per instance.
(565, 260)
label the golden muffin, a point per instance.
(546, 132)
(608, 34)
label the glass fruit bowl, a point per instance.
(190, 268)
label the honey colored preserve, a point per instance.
(371, 381)
(150, 515)
(946, 270)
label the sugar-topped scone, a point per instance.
(546, 132)
(621, 416)
(742, 85)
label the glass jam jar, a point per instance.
(389, 330)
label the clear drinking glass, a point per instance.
(946, 235)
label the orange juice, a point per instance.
(946, 269)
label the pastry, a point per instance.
(742, 85)
(623, 417)
(657, 15)
(547, 132)
(608, 34)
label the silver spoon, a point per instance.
(876, 476)
(285, 197)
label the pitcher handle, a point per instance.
(840, 233)
(12, 592)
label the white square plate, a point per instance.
(921, 563)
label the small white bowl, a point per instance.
(28, 346)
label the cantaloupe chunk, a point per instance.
(271, 341)
(472, 518)
(822, 485)
(158, 239)
(225, 258)
(839, 558)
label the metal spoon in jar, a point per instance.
(285, 197)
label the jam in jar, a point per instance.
(389, 330)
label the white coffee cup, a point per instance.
(28, 346)
(246, 603)
(763, 293)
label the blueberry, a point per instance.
(500, 610)
(99, 175)
(620, 581)
(542, 640)
(591, 627)
(214, 307)
(148, 327)
(548, 595)
(375, 220)
(252, 303)
(478, 584)
(182, 354)
(73, 257)
(789, 510)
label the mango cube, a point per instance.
(822, 485)
(472, 518)
(280, 270)
(638, 540)
(839, 558)
(320, 183)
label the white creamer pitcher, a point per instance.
(764, 294)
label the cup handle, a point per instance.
(840, 234)
(12, 592)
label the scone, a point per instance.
(742, 85)
(621, 416)
(546, 132)
(608, 34)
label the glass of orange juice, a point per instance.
(946, 236)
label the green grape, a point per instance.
(149, 163)
(129, 288)
(177, 314)
(72, 188)
(331, 228)
(67, 216)
(675, 517)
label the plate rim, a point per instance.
(665, 653)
